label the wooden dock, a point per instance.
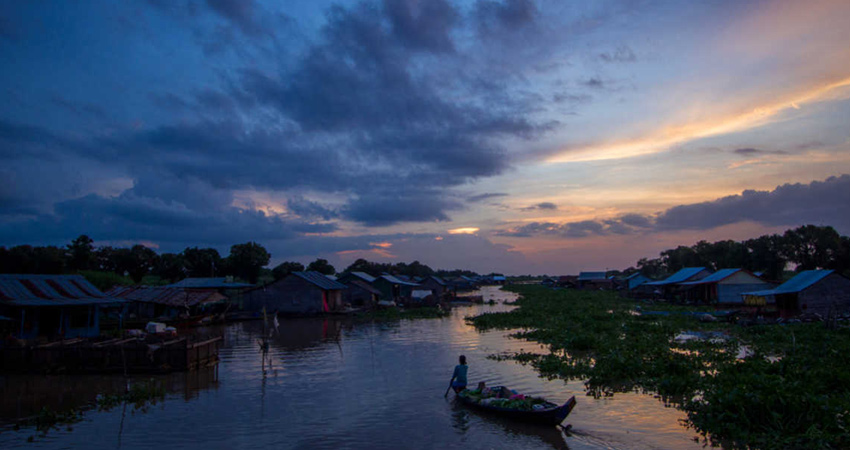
(130, 355)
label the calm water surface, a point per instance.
(330, 383)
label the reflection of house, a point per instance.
(810, 291)
(360, 294)
(434, 284)
(593, 281)
(394, 289)
(297, 293)
(668, 286)
(723, 287)
(53, 305)
(167, 302)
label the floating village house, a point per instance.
(593, 281)
(361, 294)
(167, 303)
(394, 289)
(297, 293)
(667, 287)
(634, 286)
(435, 284)
(723, 287)
(53, 306)
(811, 291)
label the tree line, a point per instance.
(244, 261)
(803, 248)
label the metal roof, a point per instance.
(365, 276)
(395, 280)
(800, 282)
(165, 295)
(320, 280)
(589, 276)
(439, 280)
(678, 277)
(720, 275)
(366, 287)
(209, 283)
(51, 290)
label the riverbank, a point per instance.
(791, 390)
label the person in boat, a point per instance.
(459, 376)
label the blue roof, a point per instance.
(720, 275)
(51, 290)
(587, 276)
(395, 280)
(800, 282)
(209, 283)
(678, 277)
(320, 280)
(364, 276)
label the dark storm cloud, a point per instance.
(820, 202)
(423, 25)
(240, 12)
(498, 16)
(485, 196)
(310, 209)
(388, 209)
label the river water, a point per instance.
(335, 383)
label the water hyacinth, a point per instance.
(792, 389)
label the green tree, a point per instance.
(138, 261)
(81, 254)
(811, 246)
(285, 268)
(764, 254)
(171, 267)
(246, 260)
(202, 262)
(322, 266)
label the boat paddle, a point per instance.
(447, 390)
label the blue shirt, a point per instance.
(460, 374)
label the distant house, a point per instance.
(810, 291)
(219, 283)
(723, 287)
(360, 294)
(53, 306)
(346, 277)
(549, 282)
(568, 281)
(593, 281)
(667, 287)
(394, 289)
(634, 280)
(301, 293)
(167, 303)
(634, 286)
(435, 284)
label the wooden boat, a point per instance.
(547, 413)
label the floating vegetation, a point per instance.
(792, 390)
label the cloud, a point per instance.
(820, 202)
(749, 151)
(423, 25)
(485, 196)
(623, 54)
(240, 12)
(541, 206)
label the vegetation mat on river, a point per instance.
(791, 391)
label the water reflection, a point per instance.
(335, 383)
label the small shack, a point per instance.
(435, 284)
(360, 294)
(53, 306)
(299, 293)
(811, 291)
(593, 281)
(220, 283)
(723, 288)
(168, 303)
(347, 277)
(394, 289)
(668, 287)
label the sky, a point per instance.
(506, 136)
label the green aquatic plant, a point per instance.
(793, 391)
